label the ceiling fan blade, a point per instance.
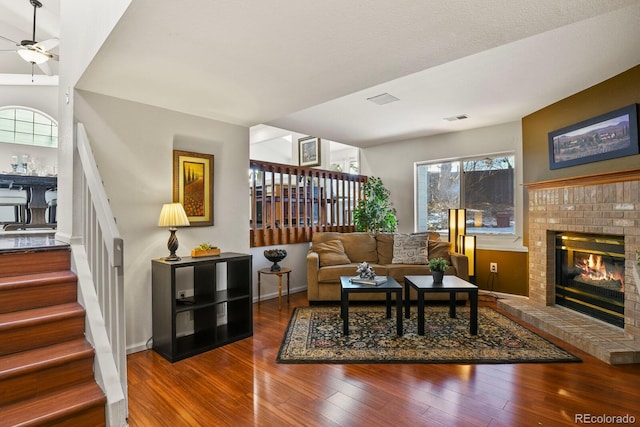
(7, 50)
(45, 68)
(9, 40)
(46, 45)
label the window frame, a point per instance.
(486, 240)
(34, 124)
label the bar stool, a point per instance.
(17, 197)
(51, 197)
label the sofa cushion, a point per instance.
(385, 247)
(410, 249)
(440, 249)
(360, 247)
(331, 253)
(324, 236)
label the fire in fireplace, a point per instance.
(595, 270)
(590, 275)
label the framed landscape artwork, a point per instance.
(309, 151)
(193, 185)
(608, 136)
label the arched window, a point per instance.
(22, 125)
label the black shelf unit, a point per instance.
(232, 302)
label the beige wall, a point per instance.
(512, 271)
(617, 92)
(394, 162)
(133, 145)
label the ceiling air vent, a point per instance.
(454, 118)
(383, 98)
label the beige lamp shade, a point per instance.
(173, 215)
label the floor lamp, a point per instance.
(467, 246)
(457, 227)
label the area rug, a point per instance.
(314, 335)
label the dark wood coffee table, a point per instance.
(450, 284)
(389, 287)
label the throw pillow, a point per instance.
(360, 247)
(408, 249)
(439, 249)
(331, 253)
(385, 247)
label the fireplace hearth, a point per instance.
(590, 271)
(608, 204)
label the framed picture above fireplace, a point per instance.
(608, 136)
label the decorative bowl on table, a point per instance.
(275, 256)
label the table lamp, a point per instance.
(173, 216)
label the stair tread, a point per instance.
(37, 279)
(32, 360)
(54, 406)
(39, 315)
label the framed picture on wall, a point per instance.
(309, 151)
(193, 185)
(608, 136)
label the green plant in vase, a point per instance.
(438, 266)
(375, 213)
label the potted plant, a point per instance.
(374, 212)
(438, 266)
(205, 249)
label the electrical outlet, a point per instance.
(493, 267)
(182, 294)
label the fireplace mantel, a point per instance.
(593, 179)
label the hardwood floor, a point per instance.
(240, 385)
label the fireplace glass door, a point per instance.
(590, 275)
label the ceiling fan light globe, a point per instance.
(33, 56)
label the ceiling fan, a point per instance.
(36, 53)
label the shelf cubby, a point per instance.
(220, 313)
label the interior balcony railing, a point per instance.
(289, 203)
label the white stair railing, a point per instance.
(98, 263)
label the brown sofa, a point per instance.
(334, 254)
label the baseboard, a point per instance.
(274, 295)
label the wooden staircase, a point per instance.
(46, 365)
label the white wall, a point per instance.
(84, 26)
(296, 260)
(133, 145)
(42, 98)
(394, 162)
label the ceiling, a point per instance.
(16, 23)
(309, 66)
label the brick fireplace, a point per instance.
(600, 204)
